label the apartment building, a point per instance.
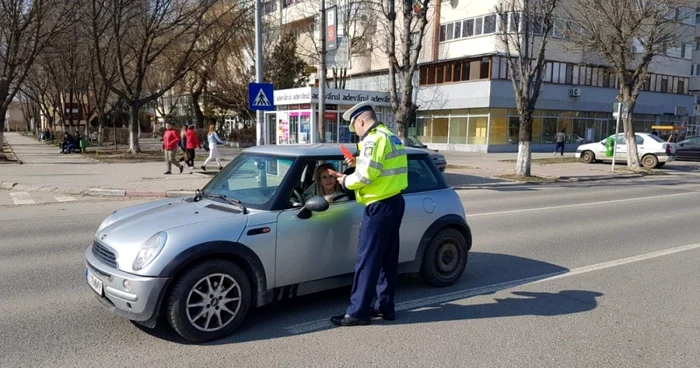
(465, 97)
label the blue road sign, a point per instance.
(261, 97)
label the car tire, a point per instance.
(587, 157)
(190, 289)
(445, 258)
(650, 161)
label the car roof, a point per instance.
(317, 149)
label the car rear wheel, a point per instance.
(650, 161)
(209, 301)
(587, 157)
(445, 258)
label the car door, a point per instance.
(690, 149)
(621, 148)
(322, 246)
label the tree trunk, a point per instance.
(523, 165)
(134, 128)
(2, 130)
(100, 127)
(631, 143)
(199, 115)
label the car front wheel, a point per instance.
(209, 301)
(587, 157)
(445, 258)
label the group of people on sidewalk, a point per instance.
(188, 141)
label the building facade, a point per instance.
(464, 93)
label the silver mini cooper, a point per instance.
(249, 238)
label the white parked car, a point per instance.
(653, 151)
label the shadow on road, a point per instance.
(490, 272)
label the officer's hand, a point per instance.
(350, 162)
(341, 180)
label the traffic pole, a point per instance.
(617, 130)
(258, 69)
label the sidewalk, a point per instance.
(47, 170)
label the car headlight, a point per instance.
(149, 250)
(108, 221)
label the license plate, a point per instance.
(94, 282)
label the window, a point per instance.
(439, 74)
(443, 32)
(420, 175)
(479, 26)
(560, 28)
(450, 32)
(681, 86)
(485, 62)
(514, 24)
(490, 24)
(458, 71)
(468, 28)
(570, 74)
(664, 84)
(252, 179)
(458, 30)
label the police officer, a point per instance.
(380, 175)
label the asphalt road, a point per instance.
(600, 274)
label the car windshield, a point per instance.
(413, 142)
(251, 179)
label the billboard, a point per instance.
(332, 28)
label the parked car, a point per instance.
(249, 238)
(653, 151)
(438, 158)
(688, 149)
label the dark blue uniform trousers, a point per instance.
(377, 257)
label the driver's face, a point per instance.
(327, 180)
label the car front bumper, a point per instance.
(140, 303)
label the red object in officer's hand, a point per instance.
(346, 152)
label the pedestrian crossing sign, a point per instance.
(261, 96)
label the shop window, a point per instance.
(549, 130)
(513, 129)
(458, 130)
(440, 130)
(536, 129)
(477, 130)
(498, 131)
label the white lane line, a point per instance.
(21, 198)
(582, 204)
(437, 299)
(64, 198)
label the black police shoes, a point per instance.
(347, 320)
(390, 316)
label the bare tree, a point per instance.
(525, 27)
(404, 43)
(629, 35)
(174, 33)
(103, 96)
(26, 28)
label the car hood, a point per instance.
(129, 231)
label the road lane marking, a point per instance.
(581, 204)
(487, 289)
(21, 198)
(64, 198)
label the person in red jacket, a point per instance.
(192, 142)
(171, 139)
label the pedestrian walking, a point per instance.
(171, 140)
(380, 177)
(213, 140)
(560, 138)
(192, 143)
(183, 143)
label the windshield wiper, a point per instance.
(227, 199)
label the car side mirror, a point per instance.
(680, 144)
(314, 204)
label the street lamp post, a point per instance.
(322, 79)
(259, 127)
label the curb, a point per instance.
(599, 177)
(9, 146)
(99, 192)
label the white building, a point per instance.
(466, 101)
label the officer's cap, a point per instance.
(356, 110)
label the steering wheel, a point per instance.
(296, 196)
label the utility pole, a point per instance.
(259, 126)
(322, 81)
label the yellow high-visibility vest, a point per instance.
(381, 166)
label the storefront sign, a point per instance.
(340, 97)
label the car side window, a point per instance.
(640, 140)
(621, 139)
(420, 177)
